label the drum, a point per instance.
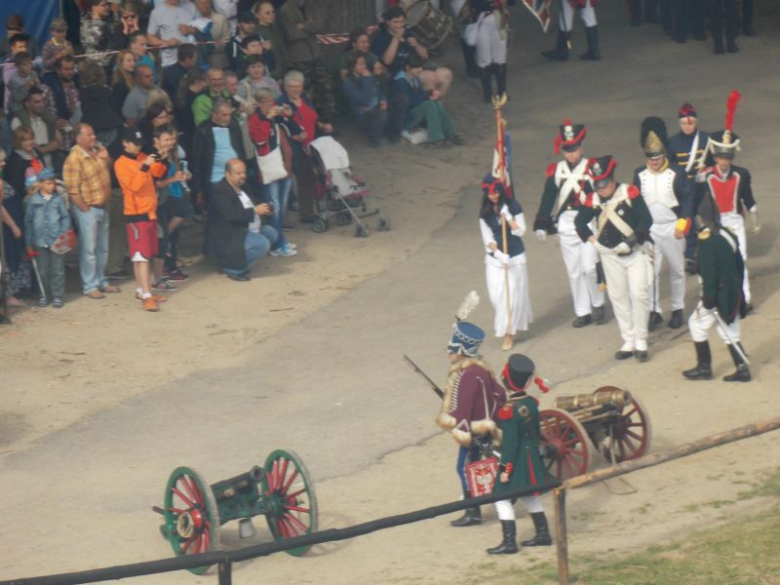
(429, 24)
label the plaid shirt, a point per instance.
(87, 176)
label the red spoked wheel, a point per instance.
(289, 497)
(191, 516)
(566, 448)
(629, 437)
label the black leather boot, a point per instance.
(743, 372)
(593, 54)
(542, 537)
(500, 70)
(677, 319)
(470, 58)
(487, 85)
(508, 545)
(654, 321)
(471, 517)
(561, 52)
(598, 315)
(703, 369)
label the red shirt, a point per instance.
(306, 117)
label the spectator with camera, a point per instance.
(237, 237)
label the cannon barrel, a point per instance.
(592, 402)
(228, 488)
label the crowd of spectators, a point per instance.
(154, 113)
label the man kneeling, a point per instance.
(236, 238)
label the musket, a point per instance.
(431, 383)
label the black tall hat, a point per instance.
(570, 136)
(653, 137)
(518, 370)
(708, 214)
(601, 170)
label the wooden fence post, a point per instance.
(226, 572)
(561, 542)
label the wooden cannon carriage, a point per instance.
(281, 491)
(610, 421)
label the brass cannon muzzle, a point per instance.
(616, 398)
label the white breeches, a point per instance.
(566, 20)
(506, 511)
(629, 293)
(519, 300)
(668, 248)
(736, 224)
(490, 47)
(580, 259)
(701, 321)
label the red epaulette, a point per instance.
(506, 412)
(633, 192)
(588, 200)
(551, 170)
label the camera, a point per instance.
(408, 32)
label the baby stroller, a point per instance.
(339, 195)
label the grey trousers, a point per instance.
(117, 232)
(51, 267)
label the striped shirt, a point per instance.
(87, 176)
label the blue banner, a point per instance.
(37, 14)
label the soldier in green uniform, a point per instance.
(521, 466)
(721, 271)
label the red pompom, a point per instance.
(551, 170)
(506, 412)
(633, 192)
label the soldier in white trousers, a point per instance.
(587, 10)
(622, 239)
(668, 193)
(565, 190)
(732, 191)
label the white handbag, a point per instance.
(272, 166)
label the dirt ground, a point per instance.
(64, 371)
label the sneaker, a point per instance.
(243, 277)
(157, 298)
(110, 288)
(175, 275)
(164, 286)
(457, 140)
(285, 251)
(95, 294)
(150, 305)
(43, 302)
(57, 304)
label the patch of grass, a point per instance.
(718, 504)
(769, 487)
(692, 508)
(586, 516)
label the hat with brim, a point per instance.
(723, 143)
(570, 137)
(601, 170)
(132, 135)
(466, 339)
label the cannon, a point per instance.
(281, 490)
(611, 421)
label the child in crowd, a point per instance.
(57, 46)
(16, 44)
(21, 81)
(256, 78)
(252, 46)
(178, 209)
(139, 42)
(46, 219)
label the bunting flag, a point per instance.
(541, 11)
(502, 161)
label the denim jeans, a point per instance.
(256, 246)
(93, 247)
(276, 194)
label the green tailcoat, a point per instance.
(518, 421)
(721, 269)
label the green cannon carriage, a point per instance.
(281, 491)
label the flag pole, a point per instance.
(498, 103)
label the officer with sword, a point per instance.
(722, 303)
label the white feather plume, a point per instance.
(467, 306)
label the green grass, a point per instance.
(742, 552)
